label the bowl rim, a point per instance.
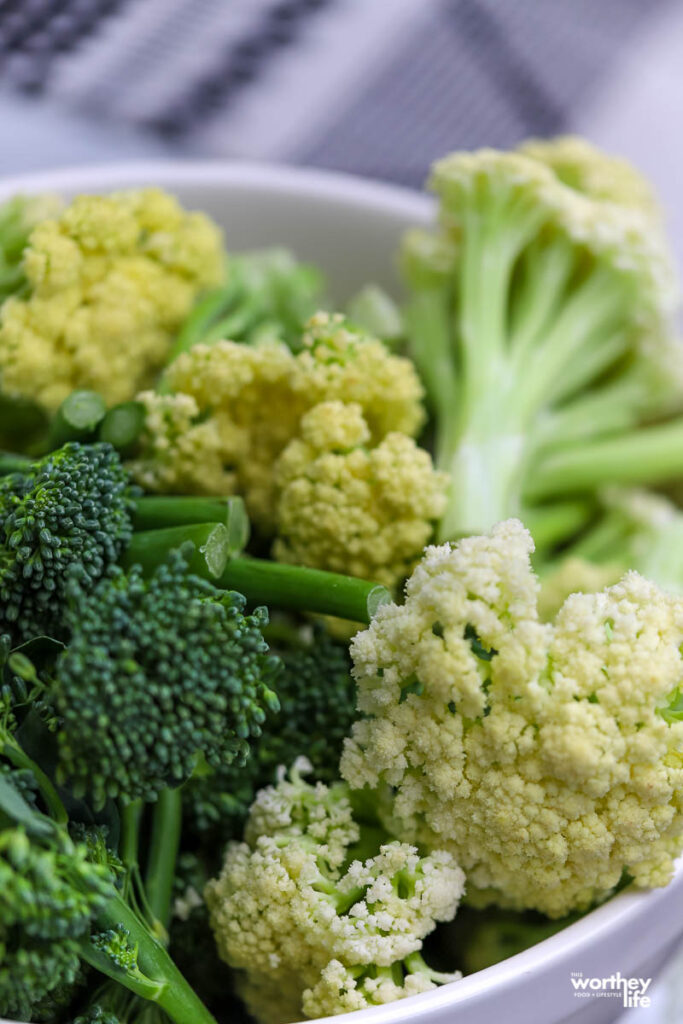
(375, 196)
(288, 179)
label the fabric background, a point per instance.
(375, 87)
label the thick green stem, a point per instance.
(214, 304)
(131, 818)
(552, 524)
(14, 753)
(11, 463)
(77, 419)
(207, 555)
(306, 590)
(155, 512)
(640, 457)
(170, 990)
(163, 853)
(122, 426)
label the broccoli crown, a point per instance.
(50, 894)
(292, 898)
(157, 672)
(317, 706)
(70, 513)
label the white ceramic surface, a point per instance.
(351, 228)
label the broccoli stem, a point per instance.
(122, 426)
(214, 304)
(510, 335)
(154, 512)
(157, 979)
(14, 753)
(131, 818)
(551, 524)
(207, 558)
(634, 458)
(77, 419)
(11, 463)
(163, 853)
(297, 588)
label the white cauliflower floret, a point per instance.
(293, 899)
(537, 754)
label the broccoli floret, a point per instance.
(311, 895)
(317, 706)
(539, 320)
(51, 893)
(71, 511)
(157, 672)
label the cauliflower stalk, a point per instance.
(539, 319)
(348, 507)
(320, 915)
(249, 400)
(108, 282)
(541, 755)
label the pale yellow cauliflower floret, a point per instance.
(347, 506)
(291, 900)
(570, 576)
(256, 396)
(110, 280)
(536, 753)
(341, 990)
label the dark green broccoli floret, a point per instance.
(317, 702)
(158, 671)
(71, 512)
(50, 894)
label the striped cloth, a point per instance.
(378, 87)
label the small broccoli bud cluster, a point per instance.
(292, 899)
(50, 895)
(317, 706)
(71, 513)
(157, 672)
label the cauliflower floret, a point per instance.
(537, 754)
(342, 989)
(256, 395)
(348, 507)
(291, 899)
(110, 280)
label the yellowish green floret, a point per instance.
(347, 506)
(541, 755)
(110, 280)
(320, 915)
(248, 403)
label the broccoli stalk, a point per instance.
(538, 319)
(267, 294)
(68, 902)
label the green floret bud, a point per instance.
(317, 706)
(158, 671)
(71, 512)
(49, 898)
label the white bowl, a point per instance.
(351, 228)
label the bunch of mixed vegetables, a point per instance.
(257, 739)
